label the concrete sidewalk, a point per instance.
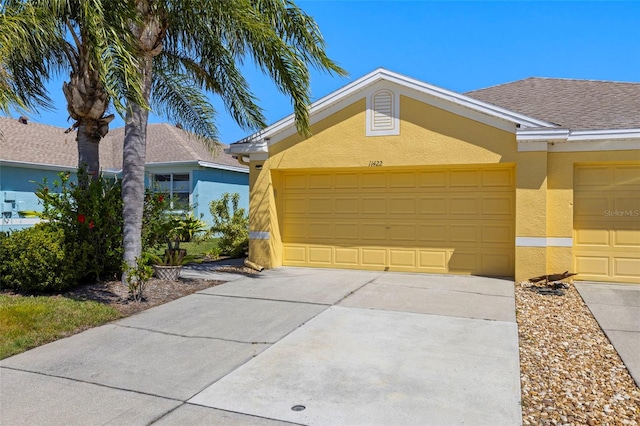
(616, 307)
(351, 347)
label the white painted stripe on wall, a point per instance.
(544, 242)
(259, 235)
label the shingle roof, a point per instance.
(44, 144)
(572, 104)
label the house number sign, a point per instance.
(375, 163)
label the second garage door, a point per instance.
(438, 220)
(607, 222)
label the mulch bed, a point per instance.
(157, 292)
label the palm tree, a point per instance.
(204, 42)
(40, 38)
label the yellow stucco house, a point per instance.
(517, 180)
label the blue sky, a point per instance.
(460, 46)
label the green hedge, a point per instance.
(38, 260)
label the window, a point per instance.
(176, 185)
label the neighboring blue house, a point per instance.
(176, 163)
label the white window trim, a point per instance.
(172, 173)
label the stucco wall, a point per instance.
(210, 184)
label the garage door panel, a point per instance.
(467, 205)
(320, 205)
(373, 231)
(432, 179)
(347, 256)
(346, 181)
(626, 267)
(294, 254)
(374, 257)
(591, 205)
(593, 265)
(497, 263)
(627, 177)
(494, 205)
(399, 258)
(402, 180)
(464, 233)
(402, 205)
(433, 259)
(295, 181)
(432, 233)
(373, 181)
(464, 178)
(320, 231)
(436, 221)
(320, 255)
(465, 261)
(627, 238)
(497, 179)
(626, 204)
(295, 231)
(347, 231)
(320, 181)
(592, 237)
(374, 205)
(607, 223)
(403, 232)
(497, 234)
(433, 205)
(346, 205)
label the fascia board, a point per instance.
(223, 167)
(562, 140)
(539, 135)
(249, 148)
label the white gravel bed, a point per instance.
(569, 371)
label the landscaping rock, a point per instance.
(570, 373)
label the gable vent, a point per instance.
(382, 113)
(383, 110)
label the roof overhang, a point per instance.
(565, 140)
(436, 96)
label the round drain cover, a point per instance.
(298, 407)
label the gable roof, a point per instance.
(42, 144)
(571, 104)
(535, 109)
(442, 98)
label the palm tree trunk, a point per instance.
(134, 155)
(88, 151)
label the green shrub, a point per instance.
(232, 224)
(39, 259)
(90, 217)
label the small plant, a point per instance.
(213, 254)
(232, 224)
(188, 226)
(172, 257)
(137, 277)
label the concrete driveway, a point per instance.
(616, 307)
(291, 345)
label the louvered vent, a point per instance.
(382, 110)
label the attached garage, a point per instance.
(516, 180)
(607, 222)
(438, 220)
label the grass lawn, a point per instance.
(27, 322)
